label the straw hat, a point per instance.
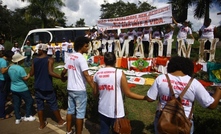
(17, 57)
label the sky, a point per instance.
(89, 10)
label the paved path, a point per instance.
(8, 126)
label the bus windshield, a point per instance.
(54, 35)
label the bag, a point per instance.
(122, 126)
(172, 119)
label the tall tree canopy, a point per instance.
(202, 7)
(47, 11)
(120, 9)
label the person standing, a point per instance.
(28, 50)
(184, 30)
(42, 70)
(70, 46)
(2, 41)
(64, 48)
(207, 31)
(157, 34)
(76, 68)
(180, 71)
(50, 50)
(105, 79)
(168, 35)
(57, 52)
(132, 37)
(4, 65)
(19, 88)
(147, 36)
(16, 48)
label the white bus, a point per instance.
(54, 35)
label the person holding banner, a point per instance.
(168, 35)
(147, 35)
(184, 30)
(122, 37)
(207, 31)
(131, 34)
(157, 34)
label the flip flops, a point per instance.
(61, 125)
(6, 117)
(46, 123)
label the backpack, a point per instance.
(172, 119)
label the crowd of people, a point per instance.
(146, 34)
(106, 82)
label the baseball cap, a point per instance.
(186, 21)
(43, 47)
(17, 57)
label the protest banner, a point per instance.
(159, 16)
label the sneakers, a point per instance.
(71, 132)
(30, 118)
(17, 121)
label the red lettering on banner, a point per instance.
(156, 21)
(185, 102)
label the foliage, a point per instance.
(47, 11)
(120, 9)
(201, 7)
(80, 23)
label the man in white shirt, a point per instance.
(77, 69)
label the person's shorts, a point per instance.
(77, 102)
(49, 96)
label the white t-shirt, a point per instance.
(146, 34)
(50, 50)
(76, 65)
(167, 36)
(105, 78)
(64, 46)
(182, 34)
(157, 35)
(2, 47)
(57, 48)
(131, 34)
(207, 32)
(15, 50)
(196, 91)
(122, 37)
(112, 36)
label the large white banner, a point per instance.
(154, 17)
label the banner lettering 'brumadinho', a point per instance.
(154, 17)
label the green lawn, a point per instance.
(141, 113)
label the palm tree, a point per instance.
(202, 7)
(45, 10)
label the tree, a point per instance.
(201, 7)
(47, 11)
(120, 9)
(80, 23)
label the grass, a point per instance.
(141, 113)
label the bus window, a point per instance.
(36, 37)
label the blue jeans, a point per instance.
(17, 97)
(63, 55)
(57, 55)
(3, 96)
(157, 116)
(106, 124)
(77, 102)
(28, 61)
